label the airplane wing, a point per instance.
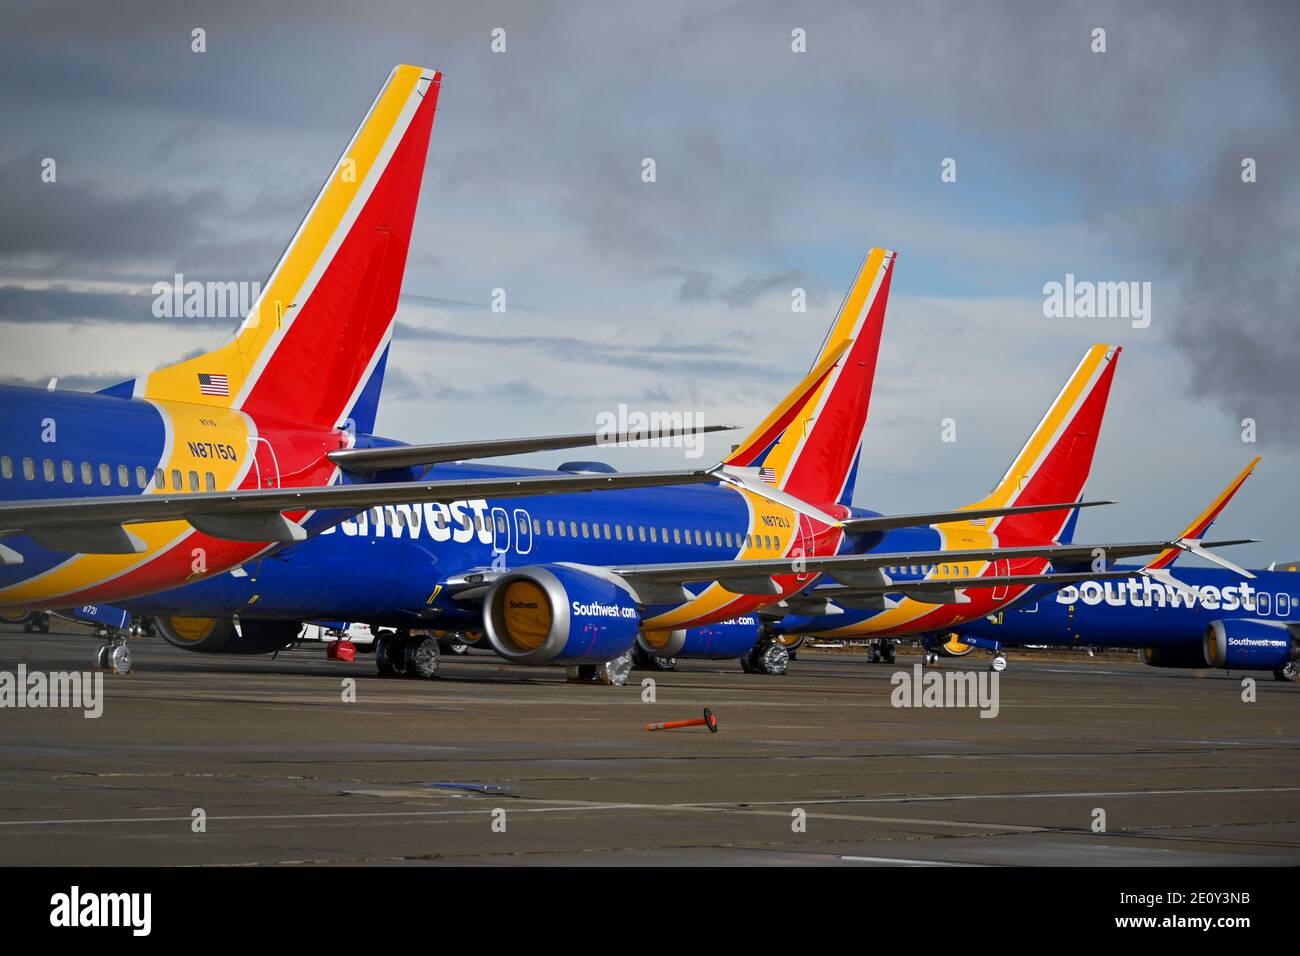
(754, 576)
(664, 583)
(946, 590)
(890, 522)
(97, 525)
(366, 461)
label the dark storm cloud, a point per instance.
(75, 218)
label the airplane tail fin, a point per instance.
(1198, 528)
(808, 447)
(1055, 462)
(313, 347)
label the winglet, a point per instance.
(1197, 530)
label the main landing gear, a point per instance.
(1290, 671)
(404, 654)
(881, 652)
(768, 656)
(645, 661)
(613, 673)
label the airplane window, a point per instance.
(1283, 604)
(771, 542)
(177, 484)
(537, 526)
(654, 535)
(708, 538)
(67, 471)
(6, 466)
(606, 532)
(585, 532)
(550, 527)
(677, 535)
(105, 474)
(501, 524)
(141, 477)
(663, 535)
(561, 529)
(595, 530)
(47, 469)
(123, 476)
(194, 481)
(29, 469)
(376, 517)
(1262, 603)
(573, 529)
(210, 481)
(440, 521)
(618, 532)
(87, 476)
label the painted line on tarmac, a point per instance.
(899, 862)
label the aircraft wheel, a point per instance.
(119, 658)
(28, 626)
(887, 651)
(773, 659)
(999, 663)
(1289, 671)
(931, 659)
(615, 672)
(421, 657)
(389, 658)
(873, 654)
(459, 647)
(44, 627)
(101, 657)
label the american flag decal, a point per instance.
(213, 384)
(767, 474)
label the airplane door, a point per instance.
(265, 465)
(523, 531)
(500, 531)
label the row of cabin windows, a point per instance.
(107, 475)
(920, 569)
(653, 534)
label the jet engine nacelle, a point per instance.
(1248, 645)
(219, 635)
(559, 614)
(725, 640)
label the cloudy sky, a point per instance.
(775, 170)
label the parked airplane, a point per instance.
(1227, 618)
(581, 581)
(934, 597)
(200, 466)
